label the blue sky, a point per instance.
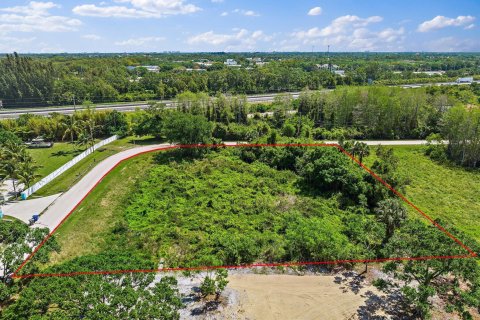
(233, 25)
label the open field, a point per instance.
(441, 191)
(53, 158)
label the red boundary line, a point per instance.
(471, 254)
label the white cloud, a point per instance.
(248, 13)
(349, 33)
(35, 16)
(217, 1)
(91, 37)
(338, 26)
(440, 22)
(240, 39)
(137, 9)
(224, 14)
(315, 11)
(139, 42)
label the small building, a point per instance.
(465, 80)
(327, 66)
(231, 63)
(155, 69)
(340, 73)
(430, 73)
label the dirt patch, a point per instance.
(301, 297)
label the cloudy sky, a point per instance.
(239, 25)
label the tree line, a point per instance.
(36, 81)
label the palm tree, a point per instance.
(90, 130)
(82, 139)
(362, 150)
(391, 213)
(72, 127)
(11, 156)
(27, 171)
(349, 146)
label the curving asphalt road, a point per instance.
(68, 201)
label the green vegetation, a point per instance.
(443, 191)
(15, 241)
(243, 205)
(68, 79)
(74, 174)
(420, 281)
(130, 296)
(17, 164)
(53, 158)
(88, 229)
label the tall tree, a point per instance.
(392, 214)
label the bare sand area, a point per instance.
(301, 297)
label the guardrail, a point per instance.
(28, 192)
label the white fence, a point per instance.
(28, 192)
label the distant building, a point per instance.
(231, 63)
(256, 60)
(430, 73)
(155, 69)
(190, 69)
(204, 63)
(465, 80)
(327, 66)
(340, 73)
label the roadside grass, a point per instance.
(53, 158)
(71, 176)
(86, 230)
(441, 191)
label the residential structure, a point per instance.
(231, 63)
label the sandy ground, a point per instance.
(299, 297)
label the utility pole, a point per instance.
(328, 58)
(74, 104)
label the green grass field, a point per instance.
(51, 159)
(84, 231)
(442, 191)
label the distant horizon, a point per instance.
(244, 52)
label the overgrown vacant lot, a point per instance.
(221, 210)
(235, 206)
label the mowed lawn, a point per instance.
(442, 191)
(51, 159)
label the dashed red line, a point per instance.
(289, 264)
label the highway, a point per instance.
(121, 107)
(129, 107)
